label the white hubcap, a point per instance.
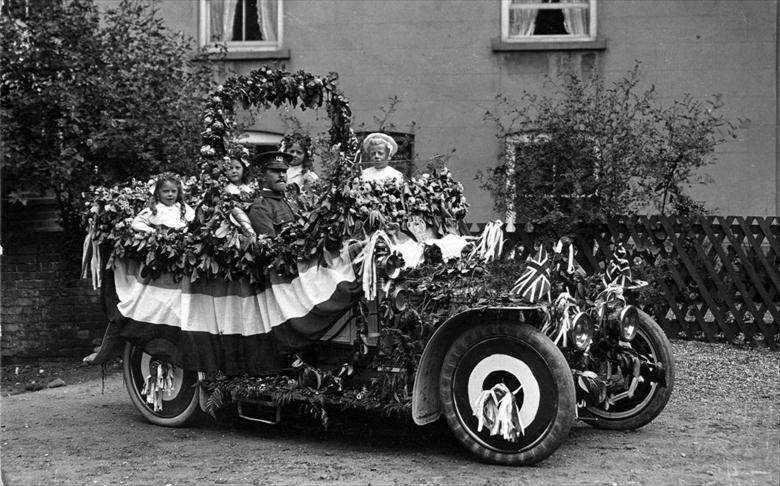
(515, 367)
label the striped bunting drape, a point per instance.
(233, 326)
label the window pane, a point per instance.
(243, 20)
(549, 22)
(245, 26)
(548, 17)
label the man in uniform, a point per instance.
(271, 211)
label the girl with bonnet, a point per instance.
(379, 148)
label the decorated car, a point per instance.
(374, 298)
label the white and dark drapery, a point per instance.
(231, 326)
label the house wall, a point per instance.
(436, 57)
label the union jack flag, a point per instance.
(618, 269)
(534, 282)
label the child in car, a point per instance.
(378, 148)
(166, 208)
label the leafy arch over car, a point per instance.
(266, 88)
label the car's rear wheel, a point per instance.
(531, 367)
(178, 405)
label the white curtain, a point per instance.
(575, 19)
(267, 18)
(222, 13)
(522, 21)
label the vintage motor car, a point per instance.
(373, 299)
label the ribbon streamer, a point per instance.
(90, 258)
(368, 273)
(497, 410)
(558, 248)
(158, 382)
(490, 243)
(569, 309)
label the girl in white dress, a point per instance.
(237, 173)
(300, 172)
(240, 191)
(166, 209)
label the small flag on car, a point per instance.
(618, 271)
(618, 268)
(534, 283)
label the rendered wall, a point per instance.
(436, 57)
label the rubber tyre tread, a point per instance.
(559, 369)
(662, 394)
(188, 415)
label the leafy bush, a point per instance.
(588, 152)
(92, 98)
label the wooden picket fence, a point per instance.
(714, 277)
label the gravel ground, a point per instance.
(721, 426)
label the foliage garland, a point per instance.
(215, 248)
(268, 87)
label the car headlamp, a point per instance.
(629, 322)
(391, 265)
(399, 298)
(581, 331)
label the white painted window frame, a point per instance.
(510, 145)
(238, 46)
(259, 137)
(506, 5)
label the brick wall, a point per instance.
(46, 310)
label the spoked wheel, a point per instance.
(531, 367)
(179, 405)
(650, 398)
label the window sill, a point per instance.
(248, 55)
(595, 45)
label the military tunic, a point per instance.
(270, 212)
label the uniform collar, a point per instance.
(271, 194)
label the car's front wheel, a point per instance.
(527, 364)
(651, 396)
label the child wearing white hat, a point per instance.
(379, 147)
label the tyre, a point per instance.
(179, 406)
(530, 365)
(650, 398)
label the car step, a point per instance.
(263, 411)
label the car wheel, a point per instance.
(179, 405)
(650, 398)
(532, 367)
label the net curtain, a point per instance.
(223, 12)
(523, 21)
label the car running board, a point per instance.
(263, 411)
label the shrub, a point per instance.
(91, 98)
(588, 152)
